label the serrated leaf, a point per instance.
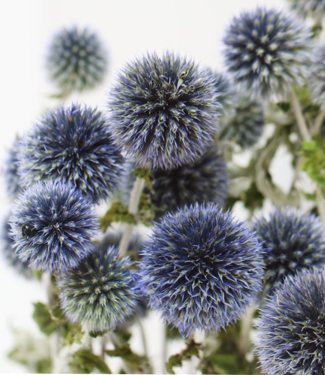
(176, 360)
(146, 175)
(118, 212)
(84, 361)
(42, 317)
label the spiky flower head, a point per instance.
(317, 77)
(8, 251)
(225, 91)
(201, 268)
(292, 325)
(72, 145)
(52, 225)
(163, 110)
(266, 51)
(292, 240)
(308, 7)
(100, 291)
(245, 124)
(76, 60)
(10, 171)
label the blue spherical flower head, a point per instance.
(8, 251)
(225, 91)
(201, 268)
(292, 240)
(76, 60)
(10, 172)
(53, 225)
(308, 7)
(317, 77)
(245, 124)
(266, 51)
(292, 325)
(72, 145)
(99, 292)
(163, 110)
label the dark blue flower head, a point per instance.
(10, 172)
(201, 268)
(266, 51)
(52, 225)
(72, 145)
(163, 110)
(76, 60)
(317, 77)
(245, 124)
(226, 94)
(292, 326)
(100, 291)
(308, 7)
(7, 246)
(292, 240)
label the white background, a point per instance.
(129, 29)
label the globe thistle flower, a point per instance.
(245, 125)
(225, 92)
(8, 251)
(100, 291)
(163, 111)
(10, 171)
(52, 225)
(317, 77)
(292, 324)
(291, 240)
(76, 60)
(308, 7)
(73, 145)
(266, 51)
(201, 268)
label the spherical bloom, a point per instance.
(292, 325)
(245, 125)
(100, 291)
(7, 246)
(53, 225)
(10, 171)
(266, 51)
(163, 110)
(76, 60)
(317, 77)
(225, 92)
(292, 240)
(308, 7)
(201, 268)
(72, 145)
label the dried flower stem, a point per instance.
(133, 209)
(246, 325)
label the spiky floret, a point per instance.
(201, 268)
(8, 251)
(266, 51)
(72, 145)
(292, 240)
(308, 7)
(100, 291)
(76, 59)
(245, 124)
(163, 110)
(317, 77)
(10, 171)
(292, 326)
(225, 92)
(52, 225)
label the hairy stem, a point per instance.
(245, 329)
(301, 123)
(132, 209)
(318, 123)
(143, 337)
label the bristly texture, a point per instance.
(292, 240)
(8, 251)
(308, 7)
(225, 92)
(317, 77)
(76, 60)
(52, 226)
(201, 268)
(10, 171)
(266, 51)
(245, 125)
(292, 325)
(72, 145)
(163, 110)
(100, 291)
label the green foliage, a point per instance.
(85, 362)
(43, 319)
(226, 364)
(146, 210)
(192, 349)
(146, 175)
(314, 160)
(117, 212)
(284, 106)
